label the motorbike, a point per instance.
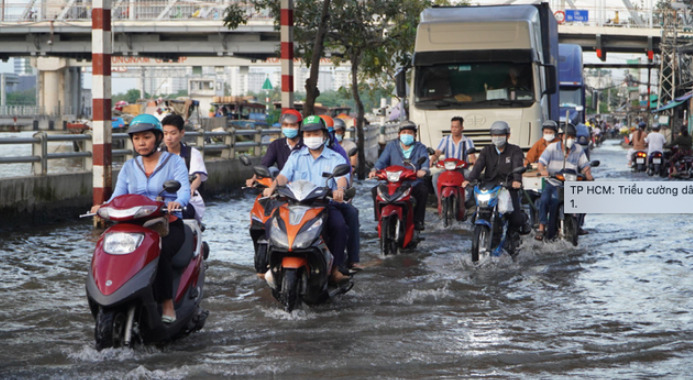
(639, 161)
(394, 207)
(566, 225)
(123, 269)
(262, 210)
(300, 263)
(451, 194)
(493, 208)
(656, 165)
(684, 166)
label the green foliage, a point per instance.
(234, 16)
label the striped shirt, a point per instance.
(452, 150)
(552, 158)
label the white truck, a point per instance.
(484, 63)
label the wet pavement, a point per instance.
(617, 306)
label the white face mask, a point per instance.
(498, 141)
(313, 142)
(550, 137)
(569, 143)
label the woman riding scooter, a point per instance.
(146, 175)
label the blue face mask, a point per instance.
(406, 139)
(290, 133)
(339, 137)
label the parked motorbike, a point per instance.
(639, 161)
(684, 166)
(300, 263)
(451, 194)
(493, 208)
(394, 207)
(260, 213)
(123, 270)
(656, 165)
(566, 225)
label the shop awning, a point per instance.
(670, 105)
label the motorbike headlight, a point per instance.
(305, 238)
(450, 165)
(393, 176)
(122, 243)
(277, 236)
(570, 177)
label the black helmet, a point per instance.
(407, 124)
(313, 123)
(500, 128)
(642, 125)
(550, 124)
(570, 130)
(656, 126)
(339, 124)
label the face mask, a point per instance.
(406, 139)
(313, 143)
(498, 141)
(550, 137)
(569, 143)
(290, 133)
(339, 137)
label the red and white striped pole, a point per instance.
(101, 49)
(287, 53)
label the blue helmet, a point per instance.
(145, 122)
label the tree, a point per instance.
(309, 35)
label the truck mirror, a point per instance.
(551, 82)
(401, 82)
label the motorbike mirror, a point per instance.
(245, 160)
(471, 150)
(171, 186)
(430, 151)
(594, 163)
(352, 151)
(261, 171)
(341, 170)
(421, 160)
(192, 177)
(350, 193)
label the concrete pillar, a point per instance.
(51, 84)
(3, 92)
(243, 79)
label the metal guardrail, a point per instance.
(227, 143)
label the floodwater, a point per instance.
(619, 306)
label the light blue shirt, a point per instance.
(133, 180)
(552, 158)
(302, 165)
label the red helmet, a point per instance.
(291, 116)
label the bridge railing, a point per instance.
(20, 111)
(212, 144)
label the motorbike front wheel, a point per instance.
(570, 229)
(388, 236)
(290, 293)
(481, 243)
(109, 331)
(448, 211)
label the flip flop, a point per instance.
(168, 319)
(539, 236)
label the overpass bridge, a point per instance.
(177, 32)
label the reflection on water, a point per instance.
(617, 306)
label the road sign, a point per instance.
(267, 85)
(576, 15)
(560, 16)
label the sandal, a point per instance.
(168, 319)
(539, 236)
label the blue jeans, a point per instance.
(547, 202)
(351, 218)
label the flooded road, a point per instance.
(618, 306)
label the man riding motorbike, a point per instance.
(497, 161)
(637, 141)
(280, 149)
(550, 131)
(395, 153)
(454, 145)
(683, 141)
(556, 157)
(309, 163)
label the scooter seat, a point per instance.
(185, 253)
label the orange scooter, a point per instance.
(300, 263)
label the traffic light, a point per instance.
(601, 50)
(650, 49)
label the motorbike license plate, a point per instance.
(656, 160)
(640, 161)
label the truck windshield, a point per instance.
(571, 97)
(474, 85)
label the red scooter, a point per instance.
(450, 191)
(394, 207)
(123, 270)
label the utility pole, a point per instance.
(667, 70)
